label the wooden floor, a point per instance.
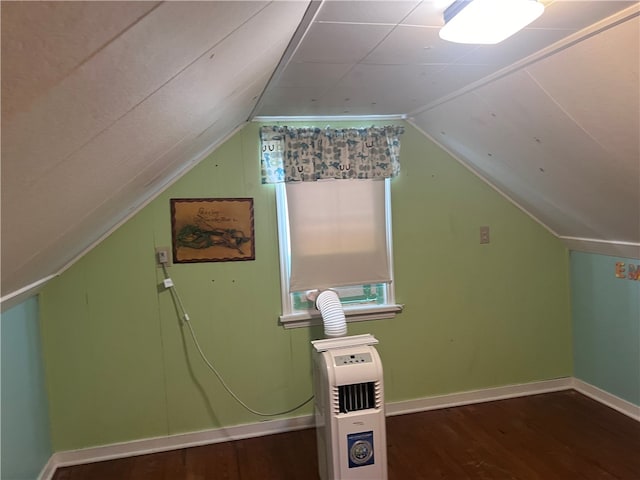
(555, 436)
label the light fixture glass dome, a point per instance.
(487, 21)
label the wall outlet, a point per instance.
(484, 234)
(163, 257)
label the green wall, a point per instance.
(121, 367)
(606, 325)
(26, 443)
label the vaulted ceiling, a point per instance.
(106, 103)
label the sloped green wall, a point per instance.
(121, 367)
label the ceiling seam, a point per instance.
(296, 40)
(563, 110)
(113, 39)
(94, 54)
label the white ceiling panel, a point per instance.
(35, 33)
(411, 45)
(293, 101)
(577, 14)
(313, 74)
(382, 79)
(340, 42)
(391, 89)
(427, 13)
(114, 82)
(608, 102)
(365, 11)
(358, 101)
(521, 45)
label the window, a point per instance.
(336, 234)
(334, 216)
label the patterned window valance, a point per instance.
(310, 154)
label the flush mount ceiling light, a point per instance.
(487, 21)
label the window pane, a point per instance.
(354, 295)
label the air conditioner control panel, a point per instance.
(353, 358)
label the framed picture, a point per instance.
(212, 229)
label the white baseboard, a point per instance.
(184, 440)
(172, 442)
(49, 469)
(477, 396)
(611, 401)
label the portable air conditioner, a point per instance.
(349, 409)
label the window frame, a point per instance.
(291, 318)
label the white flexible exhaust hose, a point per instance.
(335, 323)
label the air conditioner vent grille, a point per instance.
(357, 396)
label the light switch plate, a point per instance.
(484, 234)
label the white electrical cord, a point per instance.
(185, 317)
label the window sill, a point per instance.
(353, 314)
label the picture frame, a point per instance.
(212, 230)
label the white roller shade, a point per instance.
(338, 233)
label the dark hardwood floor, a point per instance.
(562, 435)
